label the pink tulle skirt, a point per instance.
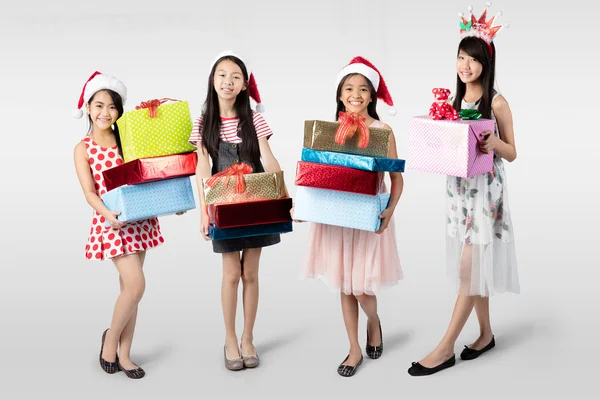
(353, 261)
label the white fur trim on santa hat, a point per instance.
(97, 83)
(358, 68)
(231, 53)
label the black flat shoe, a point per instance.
(375, 352)
(107, 366)
(470, 354)
(419, 370)
(136, 373)
(347, 370)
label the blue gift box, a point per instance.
(376, 164)
(332, 207)
(152, 199)
(246, 231)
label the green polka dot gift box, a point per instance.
(156, 129)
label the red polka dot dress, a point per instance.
(106, 242)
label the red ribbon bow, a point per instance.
(152, 106)
(350, 123)
(237, 171)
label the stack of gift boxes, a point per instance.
(447, 142)
(340, 176)
(154, 179)
(245, 204)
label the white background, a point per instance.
(54, 304)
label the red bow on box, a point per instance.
(351, 123)
(440, 109)
(152, 106)
(237, 171)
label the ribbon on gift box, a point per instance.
(469, 114)
(350, 124)
(152, 105)
(237, 171)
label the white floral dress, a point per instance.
(480, 250)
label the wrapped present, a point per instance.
(147, 200)
(333, 177)
(247, 231)
(150, 169)
(366, 163)
(321, 135)
(448, 147)
(260, 212)
(155, 129)
(237, 185)
(350, 210)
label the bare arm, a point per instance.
(203, 170)
(396, 189)
(504, 147)
(269, 161)
(86, 180)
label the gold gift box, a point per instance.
(320, 135)
(259, 186)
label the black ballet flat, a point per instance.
(347, 370)
(470, 354)
(135, 373)
(107, 366)
(418, 370)
(375, 352)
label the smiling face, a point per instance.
(356, 94)
(102, 110)
(228, 80)
(467, 67)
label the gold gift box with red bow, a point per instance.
(256, 186)
(321, 135)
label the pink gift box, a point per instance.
(448, 147)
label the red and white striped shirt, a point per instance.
(229, 129)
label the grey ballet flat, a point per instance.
(251, 361)
(234, 364)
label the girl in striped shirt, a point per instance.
(227, 133)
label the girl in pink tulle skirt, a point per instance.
(359, 263)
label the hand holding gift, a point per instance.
(204, 222)
(113, 221)
(385, 217)
(488, 142)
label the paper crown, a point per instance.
(482, 28)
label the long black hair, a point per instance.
(211, 118)
(479, 50)
(118, 102)
(371, 108)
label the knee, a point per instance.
(250, 277)
(361, 298)
(232, 277)
(135, 289)
(464, 273)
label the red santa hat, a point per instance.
(360, 65)
(252, 88)
(99, 81)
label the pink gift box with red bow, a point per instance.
(448, 147)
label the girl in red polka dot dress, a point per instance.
(123, 243)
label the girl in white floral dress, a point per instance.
(480, 249)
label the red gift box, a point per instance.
(338, 178)
(151, 169)
(231, 215)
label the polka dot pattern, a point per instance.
(168, 133)
(104, 242)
